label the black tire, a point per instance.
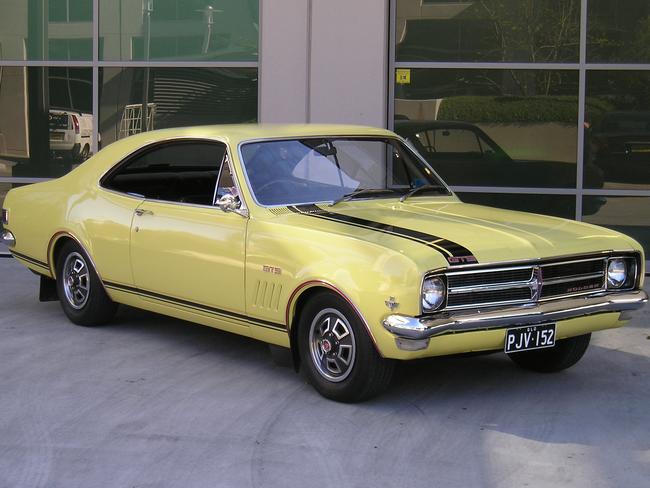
(366, 374)
(83, 154)
(563, 355)
(81, 293)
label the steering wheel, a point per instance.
(277, 181)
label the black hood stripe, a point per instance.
(452, 251)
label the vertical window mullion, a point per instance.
(582, 80)
(95, 108)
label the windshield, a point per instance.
(291, 172)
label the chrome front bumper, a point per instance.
(415, 328)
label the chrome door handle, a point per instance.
(141, 211)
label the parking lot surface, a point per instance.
(150, 401)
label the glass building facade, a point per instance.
(77, 75)
(534, 105)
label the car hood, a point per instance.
(464, 233)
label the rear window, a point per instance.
(58, 121)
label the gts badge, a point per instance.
(271, 269)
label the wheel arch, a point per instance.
(297, 301)
(55, 245)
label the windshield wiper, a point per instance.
(437, 188)
(361, 191)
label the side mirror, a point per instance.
(228, 203)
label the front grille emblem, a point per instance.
(536, 284)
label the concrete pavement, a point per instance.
(150, 401)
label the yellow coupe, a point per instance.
(339, 243)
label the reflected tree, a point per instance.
(540, 31)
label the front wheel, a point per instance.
(337, 354)
(80, 291)
(564, 354)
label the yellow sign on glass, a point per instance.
(403, 76)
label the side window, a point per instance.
(182, 171)
(456, 141)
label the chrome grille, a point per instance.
(489, 297)
(497, 276)
(559, 270)
(524, 284)
(573, 277)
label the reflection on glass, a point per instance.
(45, 120)
(625, 214)
(617, 129)
(618, 32)
(157, 98)
(4, 188)
(556, 205)
(39, 30)
(493, 127)
(545, 31)
(179, 30)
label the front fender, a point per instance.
(298, 259)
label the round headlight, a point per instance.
(616, 273)
(433, 293)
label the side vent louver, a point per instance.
(267, 295)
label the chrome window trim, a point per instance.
(331, 136)
(216, 185)
(243, 210)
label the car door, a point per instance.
(185, 251)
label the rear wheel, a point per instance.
(83, 154)
(336, 353)
(80, 291)
(563, 355)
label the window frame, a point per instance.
(107, 175)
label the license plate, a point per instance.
(529, 337)
(57, 136)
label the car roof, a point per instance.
(236, 133)
(231, 134)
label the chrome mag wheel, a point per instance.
(76, 280)
(332, 345)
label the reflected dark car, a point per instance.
(464, 155)
(622, 146)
